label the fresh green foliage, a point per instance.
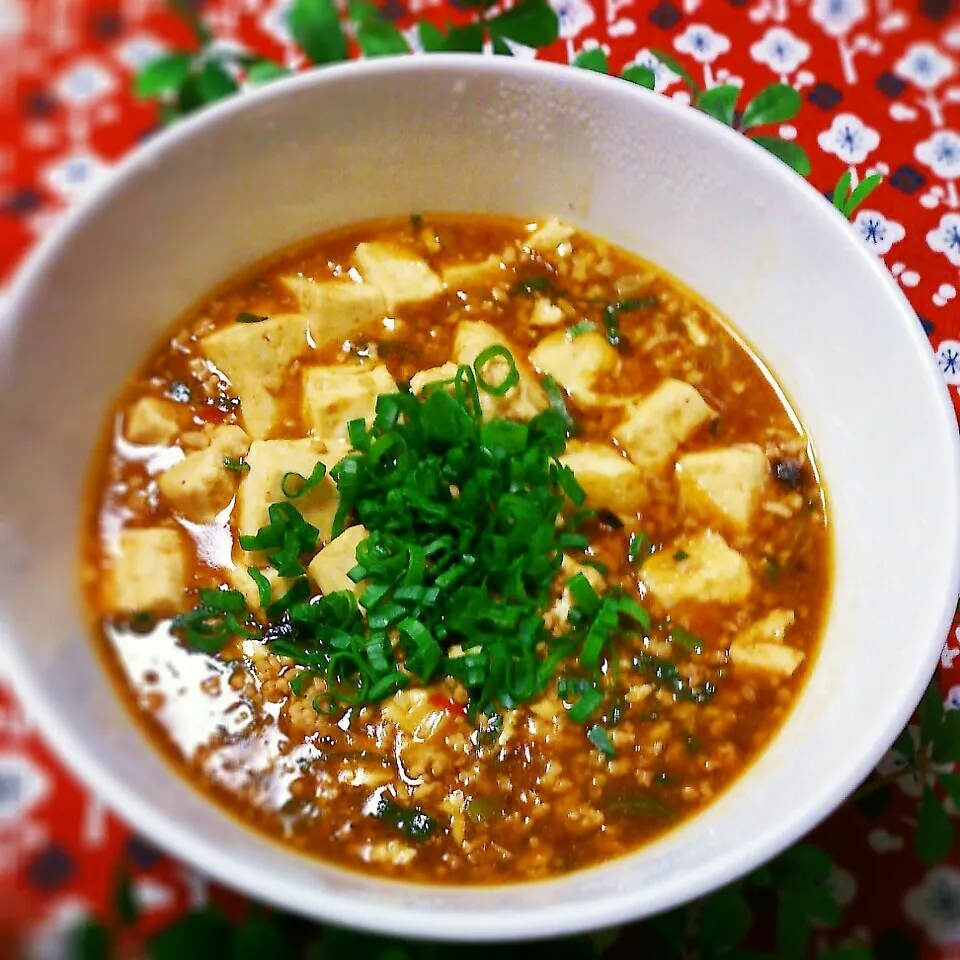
(640, 75)
(846, 200)
(720, 103)
(316, 28)
(595, 60)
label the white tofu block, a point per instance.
(654, 427)
(545, 313)
(702, 569)
(329, 568)
(549, 235)
(401, 276)
(153, 422)
(419, 380)
(608, 478)
(337, 310)
(523, 401)
(724, 484)
(200, 486)
(255, 358)
(761, 646)
(414, 713)
(486, 273)
(261, 486)
(148, 572)
(578, 364)
(333, 396)
(240, 579)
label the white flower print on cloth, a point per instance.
(948, 359)
(701, 42)
(574, 16)
(22, 786)
(935, 905)
(941, 153)
(945, 293)
(663, 76)
(945, 238)
(838, 18)
(85, 82)
(849, 138)
(924, 66)
(780, 50)
(877, 232)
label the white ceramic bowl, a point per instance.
(391, 137)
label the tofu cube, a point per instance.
(546, 313)
(761, 646)
(401, 276)
(549, 235)
(608, 478)
(333, 396)
(270, 461)
(702, 569)
(200, 486)
(419, 380)
(329, 568)
(724, 484)
(148, 572)
(153, 422)
(578, 364)
(337, 310)
(255, 358)
(240, 579)
(486, 273)
(654, 427)
(523, 401)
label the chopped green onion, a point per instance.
(638, 549)
(580, 328)
(264, 589)
(686, 640)
(509, 381)
(293, 485)
(680, 555)
(238, 465)
(601, 740)
(249, 318)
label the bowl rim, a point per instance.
(426, 922)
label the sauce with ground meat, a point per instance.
(714, 489)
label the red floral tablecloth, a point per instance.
(880, 84)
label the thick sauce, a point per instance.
(526, 793)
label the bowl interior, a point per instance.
(465, 133)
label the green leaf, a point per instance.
(793, 931)
(792, 154)
(315, 25)
(930, 712)
(380, 38)
(468, 39)
(720, 103)
(641, 76)
(163, 75)
(847, 953)
(946, 742)
(259, 938)
(595, 60)
(951, 783)
(265, 71)
(198, 934)
(214, 83)
(531, 22)
(431, 39)
(125, 901)
(669, 931)
(841, 190)
(671, 63)
(861, 192)
(904, 744)
(805, 859)
(89, 940)
(894, 944)
(934, 830)
(777, 103)
(725, 919)
(819, 904)
(500, 46)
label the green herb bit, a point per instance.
(638, 549)
(692, 744)
(412, 822)
(772, 570)
(214, 622)
(416, 221)
(601, 740)
(489, 732)
(580, 328)
(142, 622)
(236, 464)
(293, 485)
(680, 555)
(558, 404)
(686, 640)
(637, 804)
(510, 380)
(250, 318)
(611, 323)
(534, 285)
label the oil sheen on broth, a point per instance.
(544, 672)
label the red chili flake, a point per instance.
(450, 706)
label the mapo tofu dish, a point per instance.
(457, 549)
